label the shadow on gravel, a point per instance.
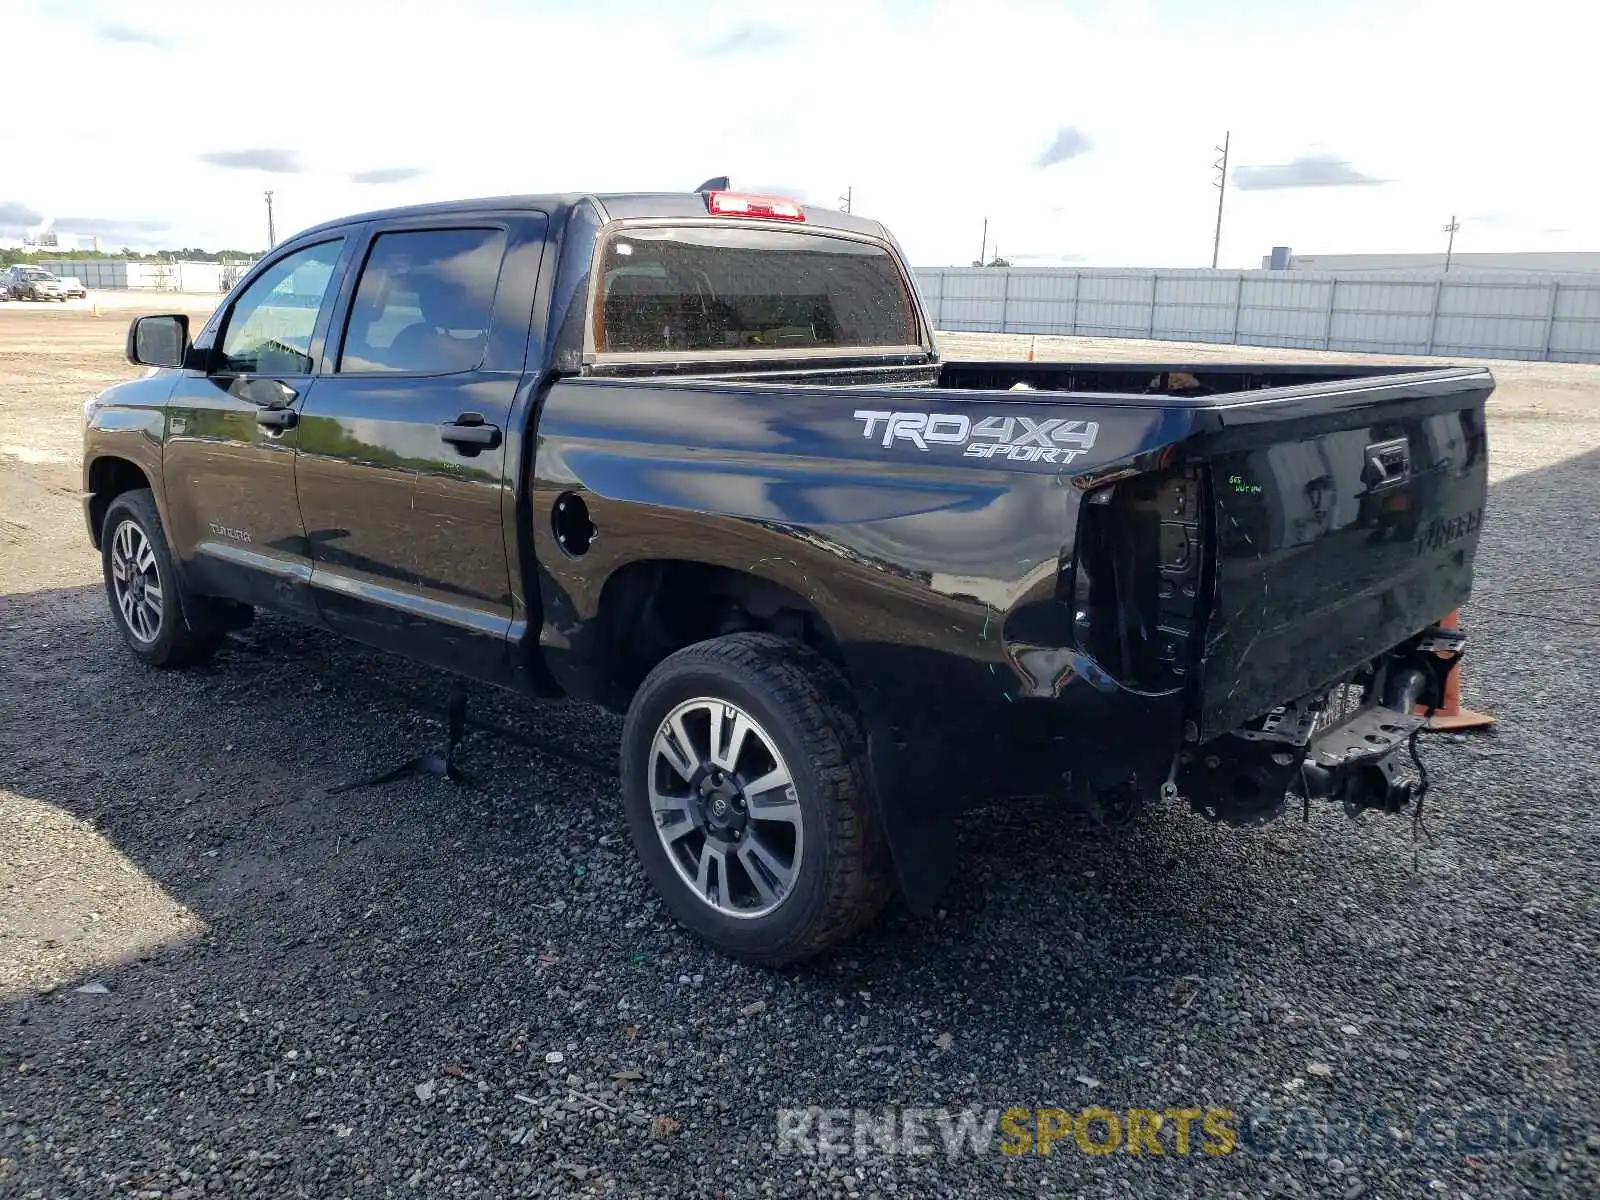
(358, 944)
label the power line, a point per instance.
(1221, 184)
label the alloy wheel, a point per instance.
(136, 582)
(725, 807)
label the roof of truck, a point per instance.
(621, 206)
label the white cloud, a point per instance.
(273, 160)
(387, 175)
(743, 40)
(133, 35)
(1069, 142)
(1307, 171)
(934, 111)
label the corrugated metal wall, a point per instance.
(1459, 315)
(98, 274)
(115, 274)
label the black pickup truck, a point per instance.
(696, 458)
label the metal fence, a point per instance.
(1460, 315)
(159, 275)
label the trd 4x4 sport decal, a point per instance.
(1019, 439)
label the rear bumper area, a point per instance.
(1345, 744)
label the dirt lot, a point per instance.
(219, 977)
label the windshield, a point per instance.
(667, 289)
(36, 273)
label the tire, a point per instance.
(133, 547)
(809, 863)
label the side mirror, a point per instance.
(159, 341)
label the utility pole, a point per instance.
(983, 247)
(1450, 246)
(1221, 184)
(848, 198)
(272, 232)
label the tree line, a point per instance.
(9, 257)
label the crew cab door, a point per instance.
(232, 428)
(402, 452)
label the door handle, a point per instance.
(277, 419)
(470, 434)
(263, 392)
(1387, 463)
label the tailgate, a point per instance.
(1347, 518)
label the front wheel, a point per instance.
(143, 586)
(746, 790)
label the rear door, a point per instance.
(233, 427)
(402, 454)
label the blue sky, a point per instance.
(1082, 130)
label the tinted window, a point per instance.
(269, 329)
(669, 289)
(424, 301)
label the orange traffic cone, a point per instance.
(1033, 344)
(1450, 716)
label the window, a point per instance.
(742, 289)
(269, 330)
(424, 302)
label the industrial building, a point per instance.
(1557, 262)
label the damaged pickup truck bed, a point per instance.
(696, 458)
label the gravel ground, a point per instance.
(220, 977)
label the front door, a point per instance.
(229, 463)
(402, 453)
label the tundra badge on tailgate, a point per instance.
(1019, 439)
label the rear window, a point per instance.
(673, 289)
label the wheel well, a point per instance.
(108, 479)
(649, 610)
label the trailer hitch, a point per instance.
(1324, 747)
(1372, 783)
(1357, 762)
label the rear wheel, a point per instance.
(747, 798)
(147, 597)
